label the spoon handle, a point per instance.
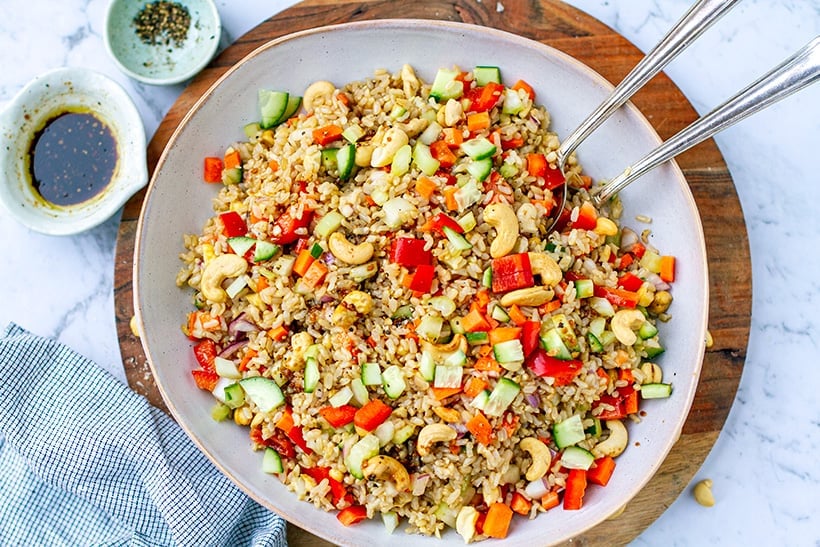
(699, 17)
(793, 74)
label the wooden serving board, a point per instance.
(576, 33)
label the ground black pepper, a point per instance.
(163, 23)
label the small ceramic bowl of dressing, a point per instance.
(74, 151)
(162, 42)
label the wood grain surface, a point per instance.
(576, 33)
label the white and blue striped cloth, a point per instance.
(86, 461)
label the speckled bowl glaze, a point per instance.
(161, 64)
(178, 203)
(40, 100)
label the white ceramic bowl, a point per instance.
(159, 64)
(39, 101)
(348, 52)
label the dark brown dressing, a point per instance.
(73, 158)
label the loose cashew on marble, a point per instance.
(466, 522)
(347, 252)
(624, 324)
(353, 305)
(316, 91)
(387, 468)
(615, 443)
(431, 434)
(531, 296)
(392, 141)
(547, 268)
(541, 457)
(440, 352)
(218, 270)
(703, 493)
(501, 216)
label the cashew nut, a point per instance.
(703, 493)
(383, 154)
(348, 252)
(315, 92)
(624, 324)
(547, 268)
(541, 457)
(300, 342)
(615, 443)
(363, 154)
(414, 127)
(409, 82)
(440, 352)
(387, 468)
(501, 216)
(453, 111)
(652, 373)
(527, 215)
(605, 227)
(355, 303)
(660, 303)
(531, 296)
(466, 522)
(433, 433)
(218, 270)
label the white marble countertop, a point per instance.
(766, 481)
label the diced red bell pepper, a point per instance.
(338, 491)
(205, 352)
(553, 178)
(617, 297)
(440, 150)
(327, 134)
(630, 282)
(233, 225)
(352, 515)
(576, 486)
(544, 365)
(537, 164)
(422, 279)
(205, 379)
(293, 431)
(512, 272)
(278, 441)
(530, 336)
(284, 228)
(338, 416)
(213, 169)
(409, 251)
(514, 142)
(638, 249)
(587, 217)
(601, 471)
(372, 415)
(616, 413)
(485, 98)
(437, 223)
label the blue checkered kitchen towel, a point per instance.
(86, 461)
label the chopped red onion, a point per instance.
(231, 349)
(537, 489)
(241, 324)
(420, 483)
(628, 239)
(657, 282)
(533, 399)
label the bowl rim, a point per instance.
(698, 353)
(208, 46)
(89, 85)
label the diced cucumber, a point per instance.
(345, 160)
(272, 107)
(478, 148)
(597, 325)
(584, 288)
(391, 521)
(403, 312)
(502, 396)
(363, 271)
(457, 241)
(232, 175)
(234, 396)
(431, 133)
(507, 170)
(430, 327)
(219, 389)
(448, 376)
(447, 513)
(445, 86)
(316, 250)
(455, 326)
(311, 374)
(443, 304)
(595, 429)
(469, 194)
(328, 224)
(477, 338)
(241, 244)
(552, 342)
(607, 337)
(467, 222)
(313, 351)
(329, 158)
(656, 391)
(480, 169)
(401, 161)
(284, 265)
(512, 102)
(294, 102)
(265, 250)
(499, 314)
(403, 433)
(341, 397)
(272, 462)
(602, 306)
(487, 278)
(595, 344)
(424, 159)
(509, 351)
(565, 330)
(569, 431)
(486, 74)
(371, 374)
(398, 211)
(652, 347)
(360, 394)
(385, 431)
(480, 400)
(220, 412)
(226, 368)
(252, 130)
(397, 112)
(575, 457)
(427, 366)
(263, 392)
(647, 330)
(353, 133)
(236, 286)
(651, 261)
(456, 359)
(363, 450)
(393, 381)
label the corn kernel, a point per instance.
(605, 227)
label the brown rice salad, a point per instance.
(378, 299)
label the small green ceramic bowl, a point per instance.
(162, 63)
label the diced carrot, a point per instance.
(474, 386)
(327, 134)
(285, 422)
(484, 350)
(452, 137)
(601, 471)
(250, 354)
(625, 261)
(667, 272)
(482, 298)
(475, 321)
(510, 424)
(232, 159)
(278, 333)
(550, 500)
(487, 364)
(450, 198)
(513, 142)
(303, 261)
(213, 169)
(274, 165)
(517, 315)
(521, 84)
(352, 515)
(426, 187)
(477, 121)
(372, 415)
(441, 152)
(631, 403)
(481, 429)
(520, 504)
(315, 274)
(343, 98)
(205, 379)
(441, 393)
(504, 334)
(262, 283)
(537, 164)
(497, 523)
